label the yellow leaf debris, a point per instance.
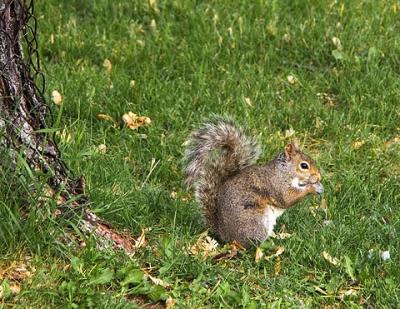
(134, 121)
(259, 254)
(107, 65)
(330, 259)
(105, 117)
(56, 97)
(357, 144)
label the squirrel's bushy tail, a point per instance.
(217, 150)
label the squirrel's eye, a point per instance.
(304, 165)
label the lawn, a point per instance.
(325, 72)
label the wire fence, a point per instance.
(32, 58)
(23, 81)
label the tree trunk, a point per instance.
(23, 116)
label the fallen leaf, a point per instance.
(170, 303)
(281, 235)
(235, 248)
(134, 121)
(56, 97)
(16, 273)
(278, 266)
(153, 26)
(224, 256)
(259, 254)
(248, 102)
(105, 117)
(343, 293)
(278, 251)
(328, 99)
(15, 288)
(204, 246)
(392, 141)
(107, 65)
(291, 79)
(140, 42)
(153, 5)
(357, 144)
(385, 255)
(141, 240)
(289, 133)
(318, 289)
(330, 259)
(102, 148)
(238, 246)
(157, 281)
(336, 42)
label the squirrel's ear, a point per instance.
(296, 144)
(290, 150)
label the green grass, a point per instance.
(206, 57)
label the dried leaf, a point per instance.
(238, 246)
(107, 65)
(278, 251)
(134, 121)
(328, 99)
(224, 256)
(318, 289)
(336, 42)
(105, 117)
(385, 255)
(281, 235)
(153, 5)
(357, 144)
(153, 26)
(278, 266)
(289, 133)
(392, 141)
(235, 248)
(330, 259)
(56, 97)
(141, 240)
(15, 288)
(157, 281)
(259, 254)
(170, 303)
(204, 246)
(343, 293)
(102, 148)
(16, 273)
(248, 102)
(291, 79)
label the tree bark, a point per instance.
(23, 120)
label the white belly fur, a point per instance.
(270, 216)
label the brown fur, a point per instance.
(237, 196)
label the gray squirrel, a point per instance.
(240, 200)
